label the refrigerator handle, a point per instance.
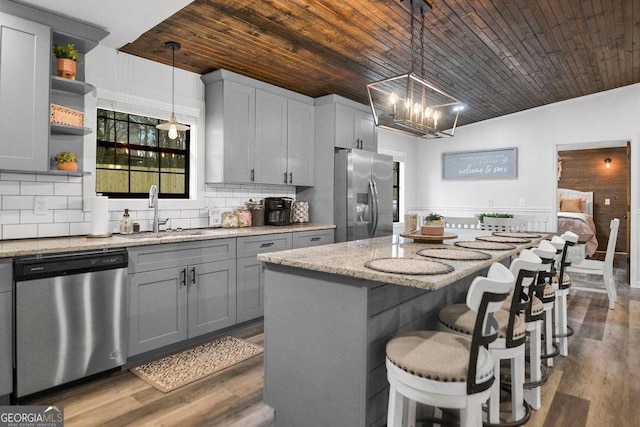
(376, 203)
(372, 208)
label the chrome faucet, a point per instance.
(153, 203)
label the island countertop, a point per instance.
(25, 247)
(349, 258)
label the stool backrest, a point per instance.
(485, 297)
(525, 269)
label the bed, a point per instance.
(575, 213)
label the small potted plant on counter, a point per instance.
(433, 225)
(67, 58)
(67, 161)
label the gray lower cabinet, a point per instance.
(6, 342)
(195, 292)
(250, 270)
(250, 303)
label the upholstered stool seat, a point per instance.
(438, 356)
(459, 318)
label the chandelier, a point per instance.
(409, 103)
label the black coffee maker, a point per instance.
(277, 210)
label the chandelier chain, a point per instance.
(422, 45)
(412, 42)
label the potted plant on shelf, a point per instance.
(67, 161)
(67, 58)
(433, 225)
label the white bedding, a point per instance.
(579, 223)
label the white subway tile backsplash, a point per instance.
(58, 202)
(10, 176)
(36, 188)
(53, 230)
(67, 216)
(9, 188)
(74, 202)
(52, 178)
(28, 217)
(22, 231)
(9, 216)
(79, 228)
(67, 189)
(17, 202)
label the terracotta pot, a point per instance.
(68, 166)
(432, 230)
(67, 68)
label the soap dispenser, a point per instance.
(126, 224)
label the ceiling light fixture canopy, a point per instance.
(408, 102)
(172, 126)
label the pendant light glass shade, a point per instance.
(172, 126)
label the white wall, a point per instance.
(605, 116)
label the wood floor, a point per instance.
(597, 385)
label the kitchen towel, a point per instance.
(99, 217)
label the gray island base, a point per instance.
(328, 319)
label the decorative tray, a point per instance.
(454, 254)
(408, 266)
(425, 238)
(491, 246)
(520, 234)
(502, 239)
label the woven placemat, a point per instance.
(177, 370)
(502, 239)
(454, 254)
(520, 234)
(408, 266)
(491, 246)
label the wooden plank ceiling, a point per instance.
(498, 56)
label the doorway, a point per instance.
(605, 169)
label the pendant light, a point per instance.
(172, 126)
(408, 102)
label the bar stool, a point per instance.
(458, 318)
(447, 370)
(561, 283)
(547, 252)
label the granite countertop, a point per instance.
(349, 258)
(25, 247)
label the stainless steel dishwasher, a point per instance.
(70, 317)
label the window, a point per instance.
(396, 191)
(132, 155)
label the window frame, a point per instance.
(186, 152)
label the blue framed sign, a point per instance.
(485, 164)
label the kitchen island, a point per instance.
(328, 318)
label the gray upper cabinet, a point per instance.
(256, 133)
(24, 94)
(355, 128)
(300, 143)
(230, 132)
(271, 138)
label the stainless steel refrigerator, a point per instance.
(363, 195)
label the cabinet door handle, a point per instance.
(253, 175)
(290, 177)
(266, 245)
(183, 277)
(285, 177)
(315, 239)
(193, 275)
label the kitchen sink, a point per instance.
(167, 234)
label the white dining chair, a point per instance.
(601, 268)
(461, 222)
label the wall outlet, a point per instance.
(40, 205)
(522, 202)
(607, 202)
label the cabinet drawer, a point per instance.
(156, 257)
(305, 239)
(254, 245)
